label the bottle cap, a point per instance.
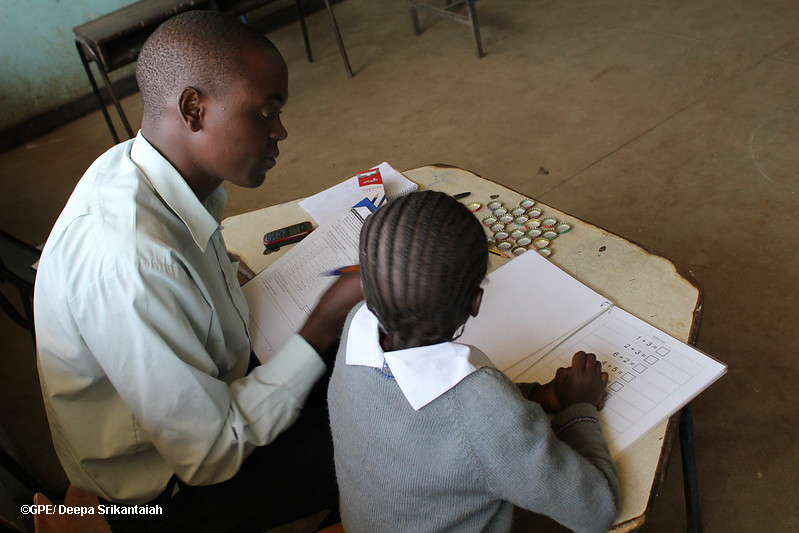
(473, 206)
(501, 236)
(524, 241)
(516, 211)
(498, 226)
(534, 212)
(504, 246)
(527, 203)
(532, 223)
(489, 220)
(541, 243)
(499, 211)
(550, 234)
(546, 252)
(492, 242)
(519, 250)
(563, 227)
(520, 220)
(506, 219)
(534, 233)
(494, 204)
(515, 234)
(549, 222)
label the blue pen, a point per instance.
(343, 270)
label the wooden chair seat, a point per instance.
(70, 523)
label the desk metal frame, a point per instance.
(114, 40)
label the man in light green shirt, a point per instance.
(142, 329)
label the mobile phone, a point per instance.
(290, 234)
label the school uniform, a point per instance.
(435, 438)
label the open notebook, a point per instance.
(652, 375)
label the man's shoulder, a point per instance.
(105, 187)
(113, 220)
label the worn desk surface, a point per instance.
(646, 285)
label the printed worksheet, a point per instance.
(651, 375)
(284, 294)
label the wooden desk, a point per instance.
(114, 40)
(647, 285)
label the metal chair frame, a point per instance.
(469, 19)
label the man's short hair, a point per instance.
(199, 49)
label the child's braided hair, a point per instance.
(423, 258)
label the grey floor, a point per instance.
(671, 123)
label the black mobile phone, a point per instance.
(290, 234)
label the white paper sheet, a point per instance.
(651, 374)
(283, 295)
(528, 304)
(323, 205)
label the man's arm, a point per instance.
(155, 351)
(323, 327)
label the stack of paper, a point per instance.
(332, 201)
(528, 307)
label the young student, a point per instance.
(427, 434)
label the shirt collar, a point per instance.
(423, 373)
(202, 219)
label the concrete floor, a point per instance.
(673, 124)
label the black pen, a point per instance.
(461, 195)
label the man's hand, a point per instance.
(584, 381)
(245, 273)
(324, 324)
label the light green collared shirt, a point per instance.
(142, 339)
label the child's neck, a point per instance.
(393, 343)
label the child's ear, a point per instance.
(478, 299)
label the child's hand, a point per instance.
(546, 397)
(584, 381)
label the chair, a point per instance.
(470, 18)
(67, 523)
(16, 260)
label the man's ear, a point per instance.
(478, 299)
(190, 105)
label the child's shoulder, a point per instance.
(489, 388)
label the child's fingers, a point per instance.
(590, 362)
(604, 378)
(578, 361)
(601, 403)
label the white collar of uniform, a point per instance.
(424, 373)
(201, 219)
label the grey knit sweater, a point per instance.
(463, 461)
